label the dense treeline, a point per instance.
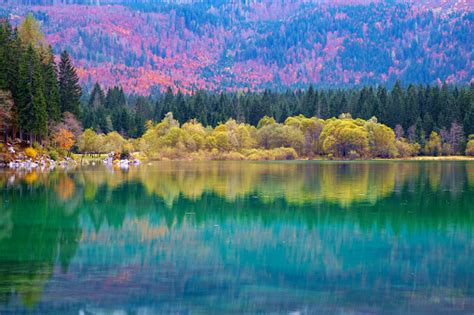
(37, 97)
(415, 111)
(297, 137)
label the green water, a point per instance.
(240, 237)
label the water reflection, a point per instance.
(297, 183)
(233, 237)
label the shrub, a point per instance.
(353, 155)
(168, 153)
(198, 156)
(470, 147)
(37, 146)
(258, 155)
(54, 155)
(233, 156)
(406, 149)
(284, 154)
(31, 153)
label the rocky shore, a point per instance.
(16, 156)
(118, 160)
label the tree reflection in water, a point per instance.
(312, 226)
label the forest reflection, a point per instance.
(297, 183)
(43, 215)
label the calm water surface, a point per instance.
(240, 237)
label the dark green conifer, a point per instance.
(32, 113)
(69, 89)
(51, 88)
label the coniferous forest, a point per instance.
(36, 93)
(42, 101)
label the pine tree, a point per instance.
(141, 112)
(308, 108)
(9, 66)
(168, 105)
(32, 112)
(396, 106)
(180, 110)
(69, 88)
(323, 104)
(412, 107)
(6, 105)
(51, 88)
(382, 97)
(97, 98)
(5, 38)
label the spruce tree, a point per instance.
(51, 88)
(180, 108)
(97, 98)
(32, 114)
(308, 107)
(5, 37)
(396, 106)
(69, 88)
(412, 107)
(9, 67)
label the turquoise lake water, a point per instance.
(239, 237)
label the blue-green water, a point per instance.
(240, 237)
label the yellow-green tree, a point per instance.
(434, 145)
(113, 142)
(194, 135)
(311, 129)
(265, 121)
(381, 139)
(29, 33)
(345, 138)
(86, 143)
(276, 135)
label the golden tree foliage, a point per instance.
(345, 138)
(64, 139)
(87, 141)
(381, 139)
(29, 33)
(434, 145)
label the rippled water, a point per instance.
(233, 237)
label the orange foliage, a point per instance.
(64, 139)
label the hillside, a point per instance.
(256, 45)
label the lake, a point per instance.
(239, 237)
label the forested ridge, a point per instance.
(258, 45)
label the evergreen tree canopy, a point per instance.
(33, 116)
(69, 89)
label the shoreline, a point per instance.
(318, 159)
(88, 161)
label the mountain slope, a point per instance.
(256, 45)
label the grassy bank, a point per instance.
(263, 156)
